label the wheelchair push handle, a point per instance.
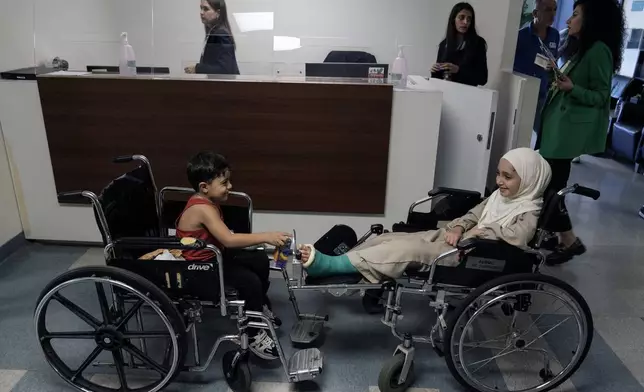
(71, 197)
(123, 159)
(586, 192)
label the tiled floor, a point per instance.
(610, 277)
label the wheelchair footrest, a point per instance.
(307, 331)
(305, 364)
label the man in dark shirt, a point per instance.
(529, 51)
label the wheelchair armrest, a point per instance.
(158, 242)
(452, 191)
(475, 242)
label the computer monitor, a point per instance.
(347, 70)
(115, 69)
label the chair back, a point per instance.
(128, 204)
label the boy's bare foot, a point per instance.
(307, 253)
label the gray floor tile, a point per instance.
(22, 277)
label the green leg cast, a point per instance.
(325, 265)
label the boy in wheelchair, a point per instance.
(247, 272)
(510, 214)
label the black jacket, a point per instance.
(219, 54)
(471, 60)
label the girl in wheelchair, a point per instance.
(510, 214)
(246, 272)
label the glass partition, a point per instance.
(268, 38)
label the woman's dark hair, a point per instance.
(602, 20)
(452, 41)
(221, 22)
(205, 167)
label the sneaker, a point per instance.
(263, 346)
(269, 313)
(562, 255)
(642, 212)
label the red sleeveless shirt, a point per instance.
(201, 234)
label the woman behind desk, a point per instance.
(218, 56)
(462, 55)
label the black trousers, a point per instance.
(247, 272)
(560, 221)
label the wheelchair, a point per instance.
(148, 310)
(492, 281)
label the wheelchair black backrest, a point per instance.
(128, 204)
(447, 208)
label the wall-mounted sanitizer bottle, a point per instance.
(127, 62)
(399, 69)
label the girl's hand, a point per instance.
(437, 67)
(451, 68)
(564, 83)
(453, 236)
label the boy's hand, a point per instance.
(277, 238)
(453, 236)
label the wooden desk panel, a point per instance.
(293, 146)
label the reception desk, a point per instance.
(303, 144)
(312, 153)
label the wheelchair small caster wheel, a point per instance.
(546, 375)
(372, 301)
(237, 371)
(388, 380)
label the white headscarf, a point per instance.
(535, 175)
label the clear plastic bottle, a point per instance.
(127, 62)
(399, 69)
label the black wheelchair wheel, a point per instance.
(237, 371)
(101, 320)
(388, 377)
(518, 359)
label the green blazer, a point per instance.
(575, 122)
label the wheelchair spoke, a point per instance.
(78, 311)
(119, 363)
(69, 335)
(86, 363)
(130, 313)
(145, 359)
(102, 300)
(146, 335)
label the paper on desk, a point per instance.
(70, 73)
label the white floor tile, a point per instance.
(625, 336)
(93, 257)
(9, 379)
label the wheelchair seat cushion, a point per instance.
(337, 279)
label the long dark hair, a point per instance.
(221, 22)
(451, 36)
(603, 20)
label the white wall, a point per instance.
(10, 225)
(169, 32)
(16, 48)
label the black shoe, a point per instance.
(642, 212)
(562, 255)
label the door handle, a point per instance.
(479, 137)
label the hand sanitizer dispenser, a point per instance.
(127, 62)
(399, 69)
